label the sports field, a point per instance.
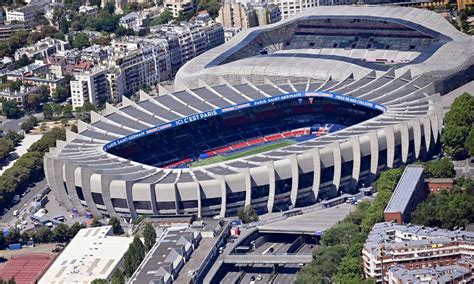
(252, 151)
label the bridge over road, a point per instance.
(277, 258)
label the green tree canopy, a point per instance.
(149, 236)
(458, 123)
(247, 214)
(443, 168)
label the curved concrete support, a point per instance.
(405, 139)
(105, 188)
(131, 206)
(390, 138)
(435, 127)
(374, 155)
(356, 161)
(271, 183)
(316, 172)
(86, 190)
(56, 183)
(336, 152)
(70, 170)
(294, 179)
(415, 124)
(427, 133)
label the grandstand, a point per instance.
(261, 122)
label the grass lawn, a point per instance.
(253, 151)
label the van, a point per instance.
(16, 213)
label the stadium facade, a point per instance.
(370, 76)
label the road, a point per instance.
(15, 124)
(283, 258)
(8, 218)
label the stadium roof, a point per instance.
(92, 254)
(438, 58)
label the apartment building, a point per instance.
(244, 15)
(141, 62)
(439, 275)
(90, 86)
(26, 14)
(42, 49)
(414, 247)
(178, 7)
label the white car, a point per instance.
(16, 213)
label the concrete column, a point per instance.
(294, 179)
(71, 186)
(153, 199)
(55, 180)
(434, 127)
(131, 206)
(390, 137)
(415, 124)
(223, 196)
(248, 186)
(374, 156)
(316, 172)
(177, 198)
(405, 140)
(337, 158)
(86, 190)
(356, 159)
(105, 188)
(199, 197)
(427, 133)
(271, 183)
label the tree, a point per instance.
(109, 8)
(134, 256)
(443, 168)
(165, 17)
(23, 61)
(117, 277)
(95, 223)
(469, 143)
(67, 111)
(62, 233)
(80, 41)
(43, 235)
(247, 214)
(34, 101)
(10, 109)
(74, 128)
(100, 281)
(115, 223)
(14, 137)
(212, 7)
(149, 236)
(458, 123)
(48, 111)
(75, 228)
(43, 126)
(60, 94)
(446, 209)
(6, 146)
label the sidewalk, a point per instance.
(22, 149)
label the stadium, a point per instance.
(281, 116)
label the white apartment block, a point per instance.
(177, 6)
(289, 8)
(92, 86)
(141, 62)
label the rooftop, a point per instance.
(93, 253)
(405, 189)
(394, 236)
(440, 274)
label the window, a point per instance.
(119, 203)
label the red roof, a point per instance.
(26, 268)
